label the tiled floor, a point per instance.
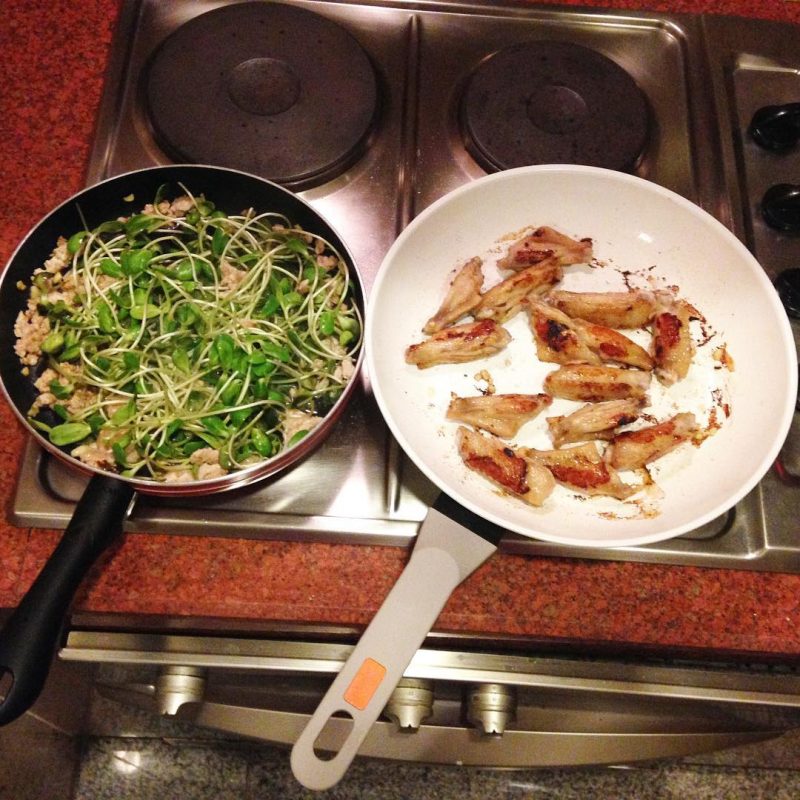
(128, 754)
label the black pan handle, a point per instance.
(33, 632)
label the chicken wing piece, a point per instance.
(593, 421)
(492, 458)
(504, 299)
(558, 339)
(612, 309)
(459, 343)
(610, 345)
(500, 414)
(673, 348)
(593, 384)
(582, 468)
(634, 449)
(462, 297)
(545, 243)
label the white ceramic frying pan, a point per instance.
(743, 381)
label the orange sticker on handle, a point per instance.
(363, 686)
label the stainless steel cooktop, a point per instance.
(702, 79)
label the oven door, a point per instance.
(465, 707)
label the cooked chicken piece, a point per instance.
(500, 414)
(546, 243)
(462, 297)
(634, 449)
(492, 458)
(673, 348)
(593, 384)
(459, 343)
(612, 346)
(613, 309)
(558, 339)
(593, 421)
(582, 468)
(504, 299)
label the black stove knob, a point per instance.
(788, 286)
(780, 207)
(776, 128)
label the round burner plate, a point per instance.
(553, 103)
(266, 88)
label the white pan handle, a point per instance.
(445, 553)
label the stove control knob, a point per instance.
(788, 286)
(491, 706)
(780, 207)
(776, 128)
(177, 685)
(410, 703)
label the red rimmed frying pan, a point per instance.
(32, 633)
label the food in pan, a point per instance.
(459, 343)
(633, 309)
(673, 347)
(593, 384)
(461, 299)
(557, 337)
(507, 298)
(635, 449)
(525, 477)
(546, 243)
(582, 467)
(610, 373)
(593, 421)
(182, 343)
(500, 414)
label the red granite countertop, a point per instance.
(52, 58)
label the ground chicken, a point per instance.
(81, 400)
(206, 460)
(327, 262)
(345, 369)
(59, 258)
(231, 277)
(95, 455)
(30, 330)
(205, 455)
(296, 421)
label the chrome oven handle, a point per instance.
(444, 744)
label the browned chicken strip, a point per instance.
(525, 478)
(593, 421)
(459, 344)
(462, 297)
(558, 339)
(673, 348)
(505, 299)
(593, 384)
(610, 345)
(545, 243)
(500, 414)
(634, 449)
(582, 468)
(612, 309)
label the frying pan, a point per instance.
(31, 634)
(743, 381)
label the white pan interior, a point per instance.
(644, 236)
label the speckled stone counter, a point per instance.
(52, 57)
